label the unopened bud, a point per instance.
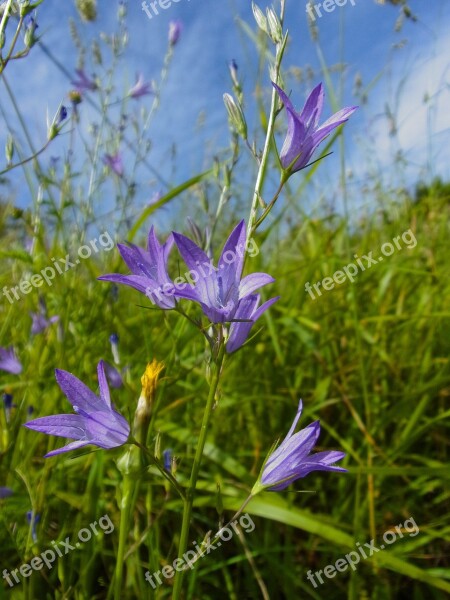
(260, 18)
(9, 149)
(30, 32)
(275, 29)
(236, 115)
(149, 381)
(75, 97)
(87, 9)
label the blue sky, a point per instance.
(199, 77)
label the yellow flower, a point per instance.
(149, 381)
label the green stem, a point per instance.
(127, 504)
(269, 207)
(190, 493)
(269, 134)
(217, 534)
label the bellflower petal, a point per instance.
(254, 281)
(248, 311)
(303, 134)
(113, 376)
(292, 459)
(231, 270)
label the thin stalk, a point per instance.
(127, 503)
(190, 493)
(269, 134)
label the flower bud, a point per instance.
(142, 416)
(175, 28)
(30, 38)
(260, 18)
(75, 97)
(87, 9)
(236, 115)
(9, 149)
(275, 29)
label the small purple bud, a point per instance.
(7, 400)
(33, 520)
(175, 29)
(62, 115)
(167, 459)
(114, 339)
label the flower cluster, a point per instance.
(223, 294)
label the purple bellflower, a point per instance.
(292, 459)
(83, 83)
(221, 293)
(96, 421)
(40, 322)
(304, 134)
(9, 361)
(140, 88)
(114, 162)
(149, 270)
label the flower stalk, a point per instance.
(190, 493)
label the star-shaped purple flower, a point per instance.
(140, 88)
(292, 459)
(149, 270)
(96, 421)
(9, 361)
(40, 322)
(114, 162)
(83, 83)
(304, 134)
(220, 291)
